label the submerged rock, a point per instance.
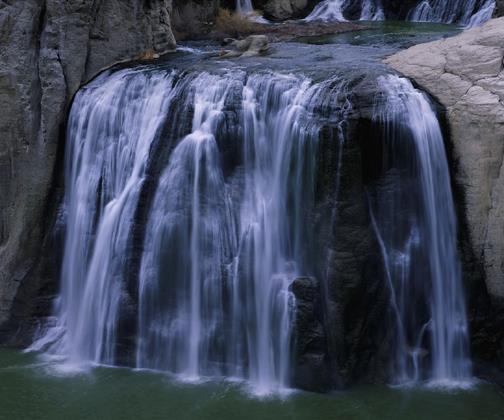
(251, 46)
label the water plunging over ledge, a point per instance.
(467, 13)
(331, 10)
(244, 6)
(417, 230)
(196, 199)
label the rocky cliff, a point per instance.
(499, 8)
(466, 75)
(48, 48)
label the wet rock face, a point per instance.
(251, 46)
(399, 9)
(357, 294)
(499, 8)
(191, 17)
(47, 50)
(309, 341)
(466, 75)
(341, 330)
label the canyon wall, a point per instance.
(47, 50)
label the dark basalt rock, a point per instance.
(499, 8)
(309, 340)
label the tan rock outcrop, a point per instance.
(466, 74)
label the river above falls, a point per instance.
(31, 389)
(317, 57)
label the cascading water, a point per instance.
(328, 10)
(333, 10)
(372, 10)
(464, 12)
(415, 222)
(111, 130)
(484, 14)
(192, 199)
(244, 6)
(219, 251)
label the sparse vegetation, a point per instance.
(147, 55)
(235, 24)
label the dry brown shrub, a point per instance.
(147, 55)
(235, 24)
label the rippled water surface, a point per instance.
(32, 389)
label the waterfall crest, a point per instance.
(416, 228)
(464, 12)
(219, 249)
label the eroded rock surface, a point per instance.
(47, 50)
(466, 75)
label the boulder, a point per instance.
(251, 46)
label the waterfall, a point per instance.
(332, 10)
(190, 204)
(328, 10)
(483, 15)
(464, 12)
(415, 224)
(244, 6)
(110, 131)
(372, 10)
(217, 246)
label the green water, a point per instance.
(396, 35)
(31, 389)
